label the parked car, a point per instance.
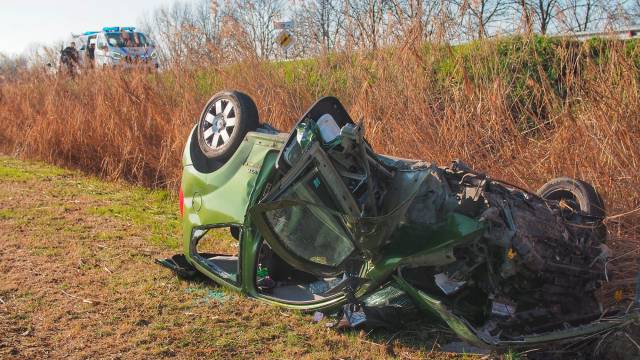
(318, 221)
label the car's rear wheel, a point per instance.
(576, 196)
(224, 122)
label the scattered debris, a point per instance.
(353, 316)
(210, 295)
(143, 322)
(447, 285)
(86, 301)
(218, 296)
(179, 264)
(318, 316)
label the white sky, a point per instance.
(24, 23)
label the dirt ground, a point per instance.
(78, 280)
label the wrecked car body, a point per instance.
(321, 222)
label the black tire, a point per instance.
(575, 192)
(578, 195)
(221, 130)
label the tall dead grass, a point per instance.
(525, 129)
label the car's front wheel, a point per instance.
(224, 122)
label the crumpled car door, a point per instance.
(305, 218)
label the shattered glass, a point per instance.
(306, 134)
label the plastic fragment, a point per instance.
(318, 316)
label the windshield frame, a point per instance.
(346, 209)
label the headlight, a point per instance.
(154, 55)
(115, 55)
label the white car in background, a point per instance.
(116, 47)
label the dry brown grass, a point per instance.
(133, 125)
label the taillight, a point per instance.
(181, 196)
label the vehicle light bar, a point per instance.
(118, 28)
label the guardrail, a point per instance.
(625, 33)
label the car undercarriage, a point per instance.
(324, 223)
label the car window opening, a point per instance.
(275, 278)
(219, 250)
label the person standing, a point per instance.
(69, 57)
(91, 52)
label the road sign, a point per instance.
(284, 25)
(285, 39)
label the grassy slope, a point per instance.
(78, 279)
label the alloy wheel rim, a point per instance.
(219, 123)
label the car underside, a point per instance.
(321, 222)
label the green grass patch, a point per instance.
(153, 211)
(8, 214)
(18, 170)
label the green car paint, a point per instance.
(411, 245)
(224, 197)
(231, 196)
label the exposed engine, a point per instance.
(532, 265)
(537, 264)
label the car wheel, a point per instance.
(224, 122)
(578, 195)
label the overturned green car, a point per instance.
(323, 223)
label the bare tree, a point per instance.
(480, 16)
(418, 17)
(256, 18)
(318, 22)
(620, 13)
(229, 30)
(581, 15)
(538, 14)
(165, 26)
(634, 10)
(366, 21)
(207, 18)
(186, 32)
